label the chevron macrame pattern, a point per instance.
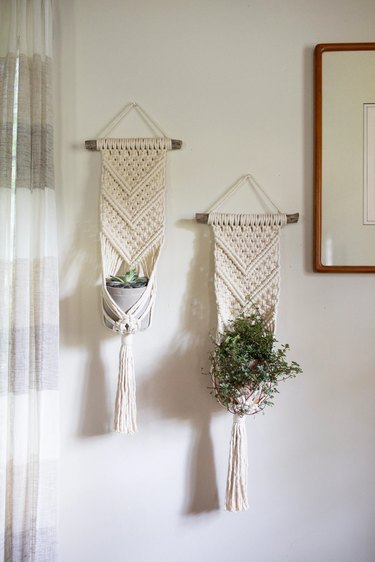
(247, 252)
(133, 197)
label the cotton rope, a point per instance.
(247, 264)
(124, 112)
(132, 213)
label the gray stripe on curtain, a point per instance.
(35, 541)
(7, 73)
(32, 351)
(34, 157)
(43, 545)
(35, 166)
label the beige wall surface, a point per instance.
(234, 81)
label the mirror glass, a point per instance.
(345, 157)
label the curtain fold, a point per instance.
(28, 286)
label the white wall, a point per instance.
(233, 80)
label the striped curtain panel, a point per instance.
(28, 286)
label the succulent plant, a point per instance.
(129, 280)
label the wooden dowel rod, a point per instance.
(203, 218)
(91, 144)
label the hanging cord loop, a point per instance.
(124, 112)
(252, 182)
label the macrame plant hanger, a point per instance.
(132, 218)
(247, 265)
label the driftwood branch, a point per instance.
(92, 145)
(203, 218)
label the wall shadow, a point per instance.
(179, 387)
(79, 264)
(80, 310)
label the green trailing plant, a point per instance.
(127, 281)
(247, 366)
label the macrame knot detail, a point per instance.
(238, 419)
(137, 144)
(126, 325)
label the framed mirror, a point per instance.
(344, 159)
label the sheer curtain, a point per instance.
(28, 286)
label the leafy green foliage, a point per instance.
(246, 366)
(129, 280)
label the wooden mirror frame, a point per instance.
(318, 99)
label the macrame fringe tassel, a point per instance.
(126, 408)
(236, 494)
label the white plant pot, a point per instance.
(125, 298)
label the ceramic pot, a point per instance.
(125, 298)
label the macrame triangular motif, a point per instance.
(133, 206)
(246, 264)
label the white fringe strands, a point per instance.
(236, 492)
(126, 407)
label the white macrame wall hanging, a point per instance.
(132, 218)
(247, 264)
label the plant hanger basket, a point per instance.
(132, 219)
(247, 284)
